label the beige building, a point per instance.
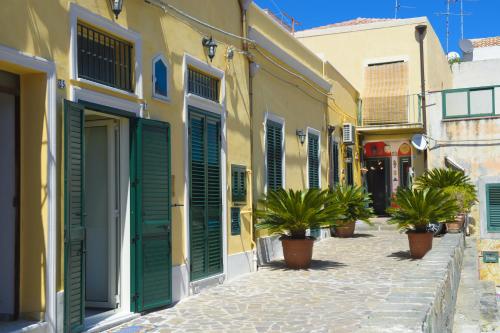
(382, 59)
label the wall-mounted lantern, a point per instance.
(211, 46)
(301, 135)
(116, 7)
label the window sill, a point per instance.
(160, 98)
(107, 88)
(445, 120)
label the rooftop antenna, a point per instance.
(447, 14)
(462, 14)
(398, 6)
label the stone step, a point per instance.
(490, 317)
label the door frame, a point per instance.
(218, 108)
(127, 265)
(33, 64)
(17, 199)
(387, 176)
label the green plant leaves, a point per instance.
(355, 201)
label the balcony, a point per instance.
(402, 113)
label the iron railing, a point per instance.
(203, 85)
(390, 111)
(104, 59)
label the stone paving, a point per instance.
(348, 281)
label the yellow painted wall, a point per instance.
(351, 51)
(39, 33)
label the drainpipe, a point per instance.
(421, 32)
(252, 68)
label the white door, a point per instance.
(101, 219)
(7, 206)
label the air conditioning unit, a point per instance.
(348, 133)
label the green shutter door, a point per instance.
(153, 215)
(74, 224)
(205, 195)
(493, 207)
(313, 160)
(274, 153)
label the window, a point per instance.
(470, 102)
(334, 162)
(274, 154)
(348, 167)
(160, 78)
(203, 85)
(235, 221)
(493, 207)
(313, 159)
(238, 180)
(104, 59)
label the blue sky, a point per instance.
(484, 20)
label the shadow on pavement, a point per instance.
(362, 236)
(401, 255)
(316, 265)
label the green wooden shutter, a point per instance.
(205, 195)
(274, 153)
(335, 148)
(493, 207)
(74, 222)
(313, 160)
(238, 183)
(153, 214)
(235, 221)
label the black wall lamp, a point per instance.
(116, 7)
(301, 135)
(211, 45)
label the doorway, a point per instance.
(377, 178)
(9, 196)
(205, 205)
(102, 223)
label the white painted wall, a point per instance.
(472, 143)
(484, 53)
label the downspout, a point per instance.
(244, 4)
(421, 31)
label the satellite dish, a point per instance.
(466, 46)
(419, 141)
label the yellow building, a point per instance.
(137, 142)
(382, 59)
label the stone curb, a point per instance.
(425, 302)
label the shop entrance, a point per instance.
(377, 178)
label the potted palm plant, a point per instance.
(415, 209)
(290, 214)
(356, 202)
(458, 186)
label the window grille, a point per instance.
(203, 85)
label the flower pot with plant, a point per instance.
(356, 202)
(290, 214)
(458, 186)
(416, 209)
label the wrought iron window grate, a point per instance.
(203, 85)
(104, 59)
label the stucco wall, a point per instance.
(350, 51)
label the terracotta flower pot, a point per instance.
(297, 252)
(346, 230)
(457, 225)
(420, 243)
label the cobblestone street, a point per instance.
(349, 280)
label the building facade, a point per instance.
(138, 145)
(387, 63)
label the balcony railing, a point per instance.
(390, 111)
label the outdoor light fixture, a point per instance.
(116, 7)
(302, 136)
(211, 45)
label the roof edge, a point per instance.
(360, 27)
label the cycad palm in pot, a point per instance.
(415, 209)
(290, 213)
(356, 202)
(457, 185)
